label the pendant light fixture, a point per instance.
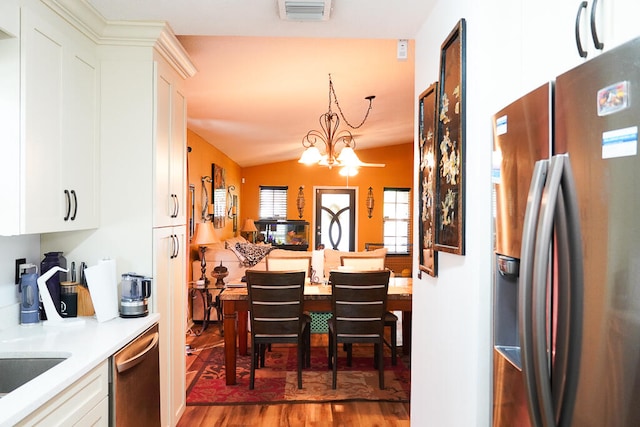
(333, 140)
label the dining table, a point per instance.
(317, 298)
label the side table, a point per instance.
(210, 295)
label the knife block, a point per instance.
(85, 305)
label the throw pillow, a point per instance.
(252, 253)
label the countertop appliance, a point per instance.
(135, 382)
(29, 301)
(579, 285)
(134, 293)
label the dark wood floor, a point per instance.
(302, 414)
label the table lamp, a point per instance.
(204, 235)
(250, 227)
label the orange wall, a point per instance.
(199, 162)
(398, 172)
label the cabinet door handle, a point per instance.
(67, 197)
(581, 51)
(594, 31)
(176, 206)
(75, 205)
(175, 246)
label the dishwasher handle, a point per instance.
(135, 360)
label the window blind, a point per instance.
(273, 202)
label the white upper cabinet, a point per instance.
(548, 39)
(170, 148)
(557, 36)
(53, 176)
(9, 18)
(620, 21)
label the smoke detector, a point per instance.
(304, 10)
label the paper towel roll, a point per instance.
(317, 264)
(103, 287)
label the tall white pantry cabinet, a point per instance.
(143, 181)
(144, 150)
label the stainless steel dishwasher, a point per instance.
(135, 382)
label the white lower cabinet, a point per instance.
(169, 298)
(84, 403)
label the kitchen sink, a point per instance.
(16, 370)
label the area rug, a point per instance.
(277, 381)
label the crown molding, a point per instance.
(155, 34)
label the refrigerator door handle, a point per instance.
(581, 51)
(560, 209)
(570, 299)
(544, 239)
(525, 287)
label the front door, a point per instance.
(335, 220)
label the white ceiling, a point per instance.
(262, 83)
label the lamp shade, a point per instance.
(348, 157)
(205, 234)
(249, 226)
(310, 156)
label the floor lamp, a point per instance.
(204, 235)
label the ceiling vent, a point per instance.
(304, 10)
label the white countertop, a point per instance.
(87, 346)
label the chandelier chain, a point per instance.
(335, 98)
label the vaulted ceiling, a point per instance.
(263, 82)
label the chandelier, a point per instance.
(332, 139)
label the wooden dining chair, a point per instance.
(364, 263)
(302, 263)
(275, 307)
(358, 305)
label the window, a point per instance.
(396, 220)
(273, 202)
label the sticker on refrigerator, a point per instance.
(496, 167)
(613, 98)
(620, 143)
(501, 125)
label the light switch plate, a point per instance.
(403, 49)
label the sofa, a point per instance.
(238, 255)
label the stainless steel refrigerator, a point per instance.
(578, 281)
(522, 136)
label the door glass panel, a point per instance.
(335, 219)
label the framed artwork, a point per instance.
(427, 113)
(219, 191)
(450, 144)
